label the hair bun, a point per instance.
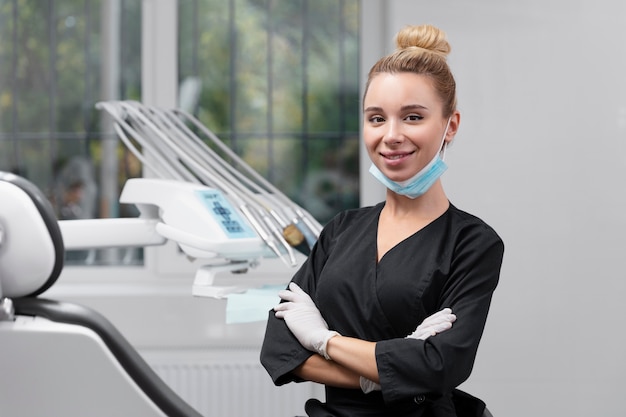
(426, 37)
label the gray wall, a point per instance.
(541, 156)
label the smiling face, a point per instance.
(404, 123)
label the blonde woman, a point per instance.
(389, 308)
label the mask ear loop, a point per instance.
(444, 145)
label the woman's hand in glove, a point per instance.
(436, 323)
(304, 319)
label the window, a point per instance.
(57, 59)
(277, 80)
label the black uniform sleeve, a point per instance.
(410, 367)
(281, 352)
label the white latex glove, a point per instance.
(304, 319)
(436, 323)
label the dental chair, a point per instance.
(60, 359)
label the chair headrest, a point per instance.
(31, 244)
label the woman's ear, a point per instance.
(453, 127)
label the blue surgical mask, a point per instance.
(420, 182)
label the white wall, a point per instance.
(541, 156)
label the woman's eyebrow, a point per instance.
(403, 108)
(413, 107)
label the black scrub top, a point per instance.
(452, 262)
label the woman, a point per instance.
(350, 316)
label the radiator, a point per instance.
(230, 383)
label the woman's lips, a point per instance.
(395, 158)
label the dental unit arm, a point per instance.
(204, 224)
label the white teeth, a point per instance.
(395, 156)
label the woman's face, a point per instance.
(403, 123)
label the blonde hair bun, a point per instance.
(426, 37)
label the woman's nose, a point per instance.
(393, 134)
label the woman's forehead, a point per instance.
(401, 89)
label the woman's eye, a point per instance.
(376, 119)
(414, 117)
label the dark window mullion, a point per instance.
(305, 88)
(195, 38)
(342, 71)
(52, 88)
(16, 92)
(233, 76)
(271, 172)
(88, 96)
